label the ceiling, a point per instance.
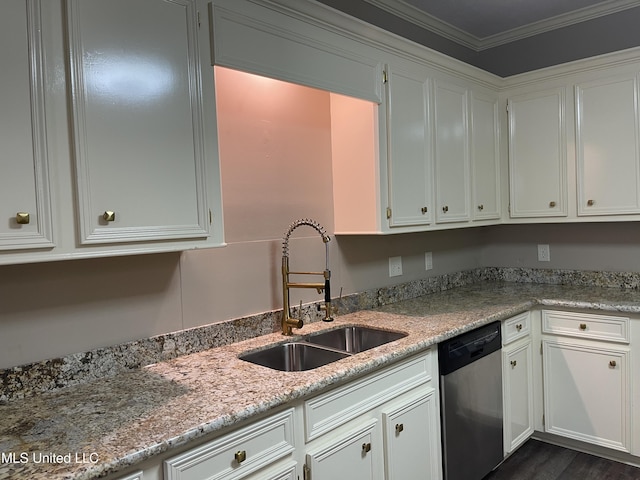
(507, 37)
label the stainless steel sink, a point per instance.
(354, 339)
(293, 357)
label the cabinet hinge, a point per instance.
(385, 79)
(540, 348)
(507, 107)
(210, 217)
(198, 19)
(306, 472)
(543, 419)
(388, 212)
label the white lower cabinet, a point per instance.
(383, 426)
(517, 381)
(411, 437)
(587, 383)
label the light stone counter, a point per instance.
(122, 420)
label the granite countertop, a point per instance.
(91, 430)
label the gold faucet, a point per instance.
(288, 322)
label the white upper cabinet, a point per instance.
(409, 148)
(537, 154)
(25, 209)
(453, 188)
(485, 157)
(137, 117)
(608, 156)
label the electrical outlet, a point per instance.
(544, 255)
(395, 266)
(428, 260)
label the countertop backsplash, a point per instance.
(79, 368)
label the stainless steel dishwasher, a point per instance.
(471, 403)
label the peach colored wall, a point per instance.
(275, 146)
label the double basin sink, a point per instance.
(316, 350)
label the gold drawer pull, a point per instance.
(552, 204)
(591, 203)
(519, 327)
(240, 456)
(583, 326)
(22, 218)
(399, 428)
(480, 207)
(109, 216)
(366, 447)
(513, 363)
(445, 209)
(612, 363)
(424, 210)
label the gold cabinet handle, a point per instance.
(445, 209)
(22, 218)
(612, 363)
(519, 327)
(591, 203)
(552, 204)
(480, 207)
(583, 326)
(240, 456)
(513, 363)
(424, 210)
(109, 216)
(399, 428)
(366, 447)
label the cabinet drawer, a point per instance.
(332, 409)
(516, 327)
(586, 325)
(237, 454)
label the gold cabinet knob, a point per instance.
(240, 456)
(109, 216)
(591, 203)
(445, 209)
(22, 218)
(480, 207)
(513, 363)
(612, 363)
(366, 448)
(519, 327)
(552, 204)
(399, 428)
(424, 210)
(583, 326)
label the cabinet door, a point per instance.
(485, 157)
(517, 367)
(25, 213)
(411, 438)
(586, 393)
(355, 455)
(409, 146)
(137, 116)
(607, 147)
(452, 153)
(537, 155)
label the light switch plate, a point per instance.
(544, 254)
(428, 260)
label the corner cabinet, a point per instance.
(587, 381)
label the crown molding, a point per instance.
(410, 13)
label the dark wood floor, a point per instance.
(537, 460)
